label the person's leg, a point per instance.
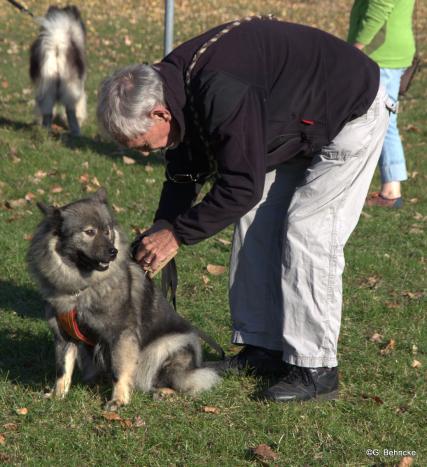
(322, 214)
(255, 270)
(392, 160)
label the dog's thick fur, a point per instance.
(57, 66)
(80, 260)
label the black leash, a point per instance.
(169, 283)
(169, 286)
(20, 7)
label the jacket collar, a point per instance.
(174, 89)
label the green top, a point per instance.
(385, 28)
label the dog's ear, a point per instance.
(44, 208)
(101, 195)
(49, 211)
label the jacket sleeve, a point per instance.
(374, 19)
(240, 151)
(175, 198)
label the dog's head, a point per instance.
(86, 231)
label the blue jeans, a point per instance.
(392, 160)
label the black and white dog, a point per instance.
(57, 66)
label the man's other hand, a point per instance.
(157, 247)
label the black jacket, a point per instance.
(265, 92)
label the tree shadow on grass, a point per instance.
(27, 358)
(108, 149)
(24, 300)
(16, 125)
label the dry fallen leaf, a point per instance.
(111, 416)
(372, 281)
(149, 168)
(392, 305)
(40, 174)
(264, 452)
(163, 393)
(391, 345)
(15, 203)
(376, 399)
(95, 182)
(28, 237)
(85, 164)
(211, 409)
(416, 364)
(138, 422)
(412, 295)
(412, 128)
(128, 160)
(22, 411)
(224, 242)
(84, 178)
(56, 129)
(10, 426)
(205, 279)
(117, 208)
(126, 423)
(29, 197)
(2, 439)
(150, 181)
(215, 269)
(376, 337)
(406, 461)
(56, 189)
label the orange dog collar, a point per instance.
(68, 323)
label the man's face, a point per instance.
(161, 134)
(157, 137)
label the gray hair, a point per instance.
(126, 99)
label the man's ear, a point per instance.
(160, 112)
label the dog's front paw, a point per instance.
(114, 405)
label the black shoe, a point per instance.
(251, 360)
(304, 384)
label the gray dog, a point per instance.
(105, 314)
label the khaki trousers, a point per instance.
(287, 257)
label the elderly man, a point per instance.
(289, 122)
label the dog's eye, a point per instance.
(90, 232)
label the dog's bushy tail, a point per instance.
(175, 360)
(193, 381)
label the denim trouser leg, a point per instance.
(392, 160)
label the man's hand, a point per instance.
(157, 247)
(359, 45)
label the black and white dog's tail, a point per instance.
(57, 65)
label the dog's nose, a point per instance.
(113, 252)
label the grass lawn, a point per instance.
(383, 397)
